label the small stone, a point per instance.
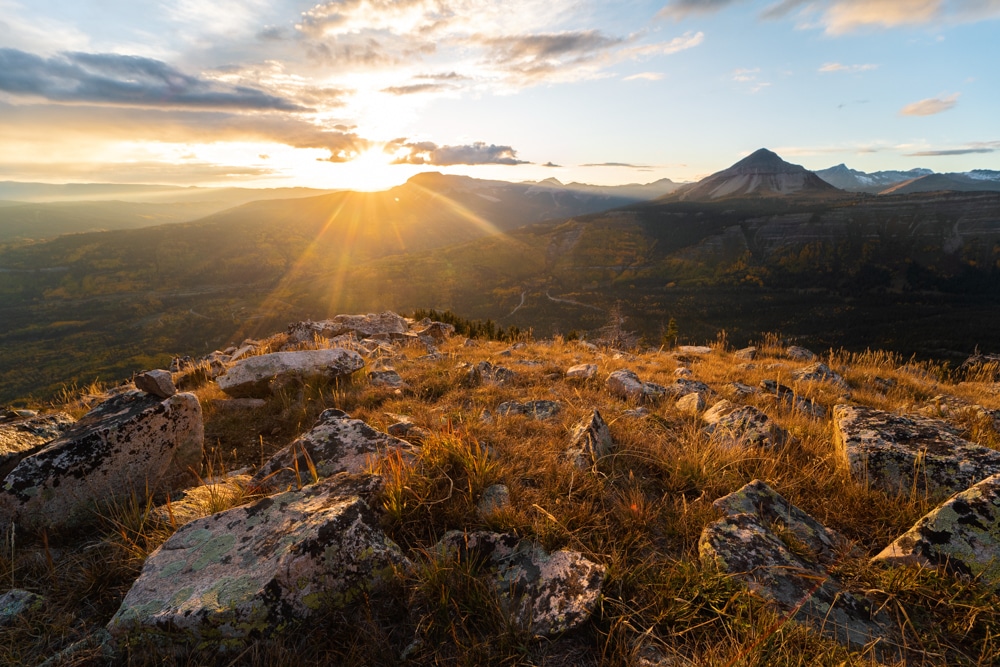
(742, 426)
(738, 390)
(495, 497)
(157, 383)
(581, 372)
(683, 372)
(386, 378)
(17, 602)
(746, 354)
(691, 404)
(590, 440)
(796, 353)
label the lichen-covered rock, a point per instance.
(249, 571)
(962, 534)
(742, 426)
(691, 404)
(159, 383)
(683, 387)
(21, 436)
(796, 353)
(255, 377)
(900, 454)
(738, 390)
(387, 324)
(17, 602)
(495, 497)
(819, 372)
(335, 444)
(439, 331)
(624, 383)
(485, 372)
(590, 440)
(744, 546)
(132, 442)
(533, 409)
(545, 593)
(581, 372)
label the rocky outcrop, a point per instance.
(132, 442)
(387, 324)
(901, 454)
(256, 377)
(250, 571)
(789, 567)
(626, 384)
(962, 534)
(335, 444)
(533, 409)
(20, 436)
(544, 593)
(742, 426)
(590, 440)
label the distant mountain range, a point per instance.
(761, 174)
(913, 180)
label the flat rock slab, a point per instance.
(797, 582)
(335, 444)
(742, 426)
(590, 440)
(962, 534)
(132, 442)
(255, 377)
(545, 593)
(533, 409)
(249, 571)
(20, 436)
(899, 454)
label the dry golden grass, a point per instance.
(638, 511)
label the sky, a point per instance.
(364, 94)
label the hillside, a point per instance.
(440, 497)
(760, 174)
(945, 182)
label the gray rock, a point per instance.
(533, 409)
(742, 426)
(439, 331)
(624, 383)
(249, 571)
(746, 354)
(683, 387)
(795, 580)
(485, 372)
(691, 404)
(544, 593)
(900, 454)
(637, 413)
(581, 372)
(819, 372)
(683, 372)
(694, 349)
(495, 497)
(386, 378)
(20, 437)
(255, 377)
(962, 534)
(158, 383)
(335, 444)
(387, 324)
(796, 353)
(17, 602)
(590, 440)
(738, 390)
(132, 442)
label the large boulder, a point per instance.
(335, 444)
(900, 454)
(21, 436)
(255, 377)
(545, 593)
(590, 440)
(741, 426)
(249, 571)
(795, 580)
(131, 443)
(380, 325)
(962, 534)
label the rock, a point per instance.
(335, 444)
(625, 384)
(495, 497)
(243, 351)
(387, 324)
(683, 372)
(255, 377)
(900, 454)
(694, 349)
(691, 404)
(248, 572)
(158, 383)
(738, 390)
(746, 354)
(17, 602)
(581, 372)
(534, 409)
(590, 440)
(794, 578)
(683, 387)
(544, 593)
(742, 426)
(485, 372)
(796, 353)
(819, 372)
(20, 436)
(962, 534)
(439, 331)
(637, 413)
(386, 378)
(132, 442)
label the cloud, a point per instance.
(748, 76)
(417, 88)
(975, 148)
(427, 152)
(930, 106)
(618, 164)
(645, 76)
(837, 67)
(680, 9)
(551, 164)
(188, 173)
(108, 78)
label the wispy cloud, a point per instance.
(417, 88)
(645, 76)
(427, 152)
(627, 165)
(679, 9)
(837, 67)
(930, 106)
(109, 78)
(749, 77)
(973, 148)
